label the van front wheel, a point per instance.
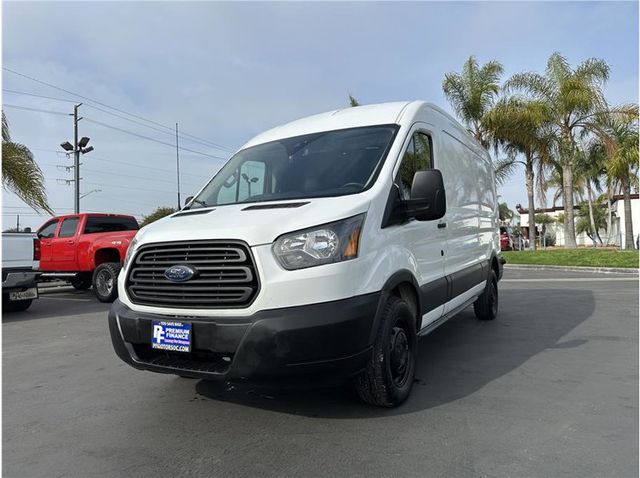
(388, 377)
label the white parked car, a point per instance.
(320, 251)
(20, 261)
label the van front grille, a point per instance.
(225, 275)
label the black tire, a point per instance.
(82, 281)
(105, 281)
(9, 305)
(388, 377)
(486, 306)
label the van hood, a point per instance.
(254, 223)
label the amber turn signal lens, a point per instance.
(352, 247)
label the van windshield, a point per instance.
(333, 163)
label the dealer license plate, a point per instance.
(171, 336)
(24, 294)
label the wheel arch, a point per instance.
(495, 264)
(402, 284)
(105, 254)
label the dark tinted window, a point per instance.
(417, 157)
(332, 163)
(48, 230)
(110, 224)
(68, 227)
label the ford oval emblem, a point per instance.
(180, 273)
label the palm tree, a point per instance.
(473, 93)
(590, 166)
(574, 100)
(544, 220)
(521, 128)
(591, 220)
(622, 166)
(353, 102)
(20, 173)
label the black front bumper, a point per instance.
(327, 342)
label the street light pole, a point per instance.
(79, 146)
(76, 161)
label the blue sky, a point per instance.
(226, 71)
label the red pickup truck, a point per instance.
(87, 250)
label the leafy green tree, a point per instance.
(158, 213)
(576, 105)
(352, 101)
(20, 173)
(472, 94)
(504, 212)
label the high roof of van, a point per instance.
(399, 112)
(383, 113)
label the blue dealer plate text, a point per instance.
(171, 336)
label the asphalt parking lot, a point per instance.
(548, 389)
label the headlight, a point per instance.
(130, 251)
(334, 242)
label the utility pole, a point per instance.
(17, 222)
(76, 161)
(178, 167)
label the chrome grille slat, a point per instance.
(226, 275)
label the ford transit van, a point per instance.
(320, 252)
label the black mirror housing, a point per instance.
(428, 201)
(188, 200)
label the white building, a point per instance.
(616, 238)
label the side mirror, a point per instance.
(188, 200)
(428, 201)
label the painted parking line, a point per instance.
(575, 279)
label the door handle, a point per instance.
(71, 242)
(442, 225)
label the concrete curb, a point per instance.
(603, 270)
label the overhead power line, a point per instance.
(149, 138)
(18, 107)
(38, 96)
(109, 106)
(172, 134)
(106, 160)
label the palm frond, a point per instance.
(20, 173)
(504, 168)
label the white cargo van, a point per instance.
(320, 251)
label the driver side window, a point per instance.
(417, 157)
(48, 230)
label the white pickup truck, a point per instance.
(20, 262)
